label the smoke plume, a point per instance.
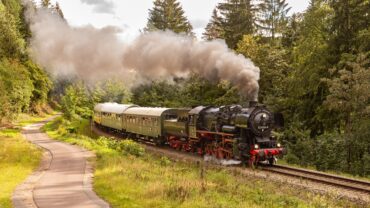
(92, 54)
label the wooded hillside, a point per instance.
(24, 86)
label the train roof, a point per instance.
(112, 107)
(146, 111)
(197, 110)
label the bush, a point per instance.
(131, 147)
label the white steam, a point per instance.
(92, 54)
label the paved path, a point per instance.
(63, 180)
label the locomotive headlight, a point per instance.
(256, 146)
(278, 145)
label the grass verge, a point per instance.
(18, 158)
(127, 176)
(25, 119)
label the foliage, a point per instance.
(198, 91)
(273, 65)
(78, 98)
(42, 85)
(157, 94)
(131, 147)
(194, 91)
(24, 86)
(16, 89)
(76, 101)
(12, 45)
(349, 19)
(168, 15)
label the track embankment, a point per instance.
(336, 190)
(64, 178)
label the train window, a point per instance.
(171, 116)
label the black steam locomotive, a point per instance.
(227, 132)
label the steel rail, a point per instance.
(329, 179)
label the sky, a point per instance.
(131, 15)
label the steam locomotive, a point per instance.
(227, 132)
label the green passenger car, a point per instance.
(146, 121)
(110, 114)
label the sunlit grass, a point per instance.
(127, 180)
(25, 119)
(18, 159)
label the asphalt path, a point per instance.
(64, 178)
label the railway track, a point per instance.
(329, 179)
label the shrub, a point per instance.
(131, 147)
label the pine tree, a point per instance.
(237, 20)
(351, 17)
(213, 29)
(58, 10)
(168, 15)
(291, 33)
(272, 17)
(46, 3)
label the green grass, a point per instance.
(127, 176)
(18, 158)
(25, 119)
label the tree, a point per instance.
(42, 85)
(12, 45)
(112, 91)
(157, 94)
(350, 90)
(291, 33)
(76, 101)
(237, 20)
(272, 17)
(46, 4)
(58, 10)
(274, 68)
(213, 29)
(310, 62)
(199, 91)
(168, 15)
(350, 98)
(17, 88)
(349, 19)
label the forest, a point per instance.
(314, 69)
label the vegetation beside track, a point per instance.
(127, 176)
(18, 158)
